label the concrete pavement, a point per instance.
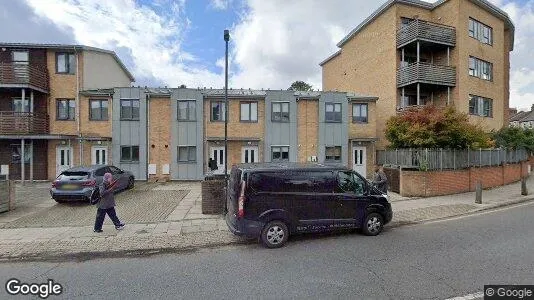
(178, 224)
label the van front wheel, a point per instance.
(373, 224)
(274, 234)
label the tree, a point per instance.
(300, 86)
(433, 127)
(515, 138)
(182, 86)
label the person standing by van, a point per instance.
(106, 205)
(380, 180)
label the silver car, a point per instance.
(79, 182)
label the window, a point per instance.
(66, 109)
(280, 112)
(114, 170)
(333, 154)
(348, 182)
(100, 172)
(65, 63)
(129, 153)
(405, 22)
(249, 111)
(21, 106)
(130, 109)
(359, 113)
(481, 32)
(99, 109)
(480, 106)
(280, 153)
(16, 151)
(293, 181)
(21, 57)
(480, 68)
(187, 154)
(218, 111)
(333, 112)
(187, 110)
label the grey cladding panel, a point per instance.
(277, 133)
(187, 134)
(333, 134)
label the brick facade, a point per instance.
(307, 128)
(160, 135)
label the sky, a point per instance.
(272, 44)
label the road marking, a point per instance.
(478, 295)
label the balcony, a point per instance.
(17, 123)
(426, 73)
(418, 30)
(24, 76)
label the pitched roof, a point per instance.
(494, 10)
(518, 116)
(70, 47)
(527, 117)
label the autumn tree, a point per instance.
(433, 127)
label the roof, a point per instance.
(338, 52)
(527, 117)
(215, 93)
(273, 166)
(70, 47)
(518, 116)
(494, 10)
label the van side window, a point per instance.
(349, 183)
(292, 182)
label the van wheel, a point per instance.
(274, 234)
(373, 224)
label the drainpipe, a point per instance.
(77, 101)
(147, 96)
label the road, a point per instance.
(433, 261)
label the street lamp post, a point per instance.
(226, 39)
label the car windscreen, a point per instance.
(73, 176)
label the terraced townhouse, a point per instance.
(48, 122)
(412, 53)
(171, 133)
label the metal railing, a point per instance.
(19, 74)
(426, 73)
(23, 123)
(440, 159)
(426, 31)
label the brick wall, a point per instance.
(436, 183)
(308, 128)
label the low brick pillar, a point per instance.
(7, 195)
(213, 194)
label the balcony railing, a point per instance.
(426, 73)
(23, 123)
(426, 31)
(19, 75)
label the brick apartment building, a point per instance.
(410, 53)
(47, 122)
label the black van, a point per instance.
(272, 201)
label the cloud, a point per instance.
(220, 4)
(152, 36)
(277, 42)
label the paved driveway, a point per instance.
(146, 203)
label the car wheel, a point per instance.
(373, 224)
(274, 234)
(131, 183)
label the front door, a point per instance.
(249, 155)
(99, 155)
(359, 157)
(63, 159)
(217, 154)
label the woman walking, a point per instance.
(106, 205)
